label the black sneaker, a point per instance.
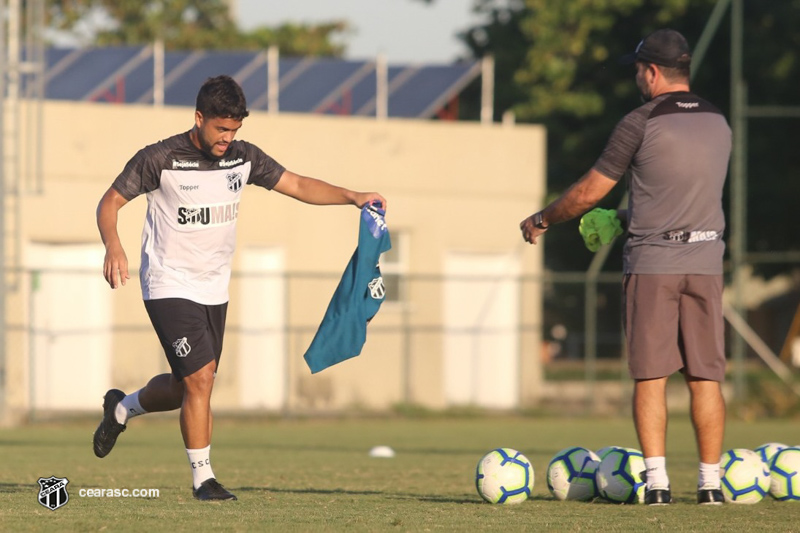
(210, 489)
(657, 497)
(105, 436)
(712, 496)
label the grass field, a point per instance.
(315, 475)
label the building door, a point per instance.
(262, 358)
(70, 327)
(481, 316)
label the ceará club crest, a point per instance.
(234, 181)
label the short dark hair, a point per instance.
(676, 74)
(222, 97)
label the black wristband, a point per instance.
(538, 221)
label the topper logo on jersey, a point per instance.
(687, 105)
(208, 215)
(234, 181)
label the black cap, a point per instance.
(667, 48)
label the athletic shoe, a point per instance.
(210, 489)
(109, 429)
(657, 497)
(710, 496)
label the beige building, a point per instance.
(459, 327)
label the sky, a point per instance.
(405, 31)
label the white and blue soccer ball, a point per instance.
(766, 451)
(784, 474)
(505, 476)
(745, 477)
(620, 476)
(602, 452)
(571, 474)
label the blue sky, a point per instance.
(404, 30)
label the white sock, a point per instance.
(129, 407)
(656, 472)
(200, 461)
(708, 477)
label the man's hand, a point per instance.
(360, 199)
(115, 267)
(579, 198)
(530, 232)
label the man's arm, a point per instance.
(115, 265)
(318, 192)
(578, 199)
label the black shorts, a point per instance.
(190, 333)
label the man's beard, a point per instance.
(645, 95)
(205, 146)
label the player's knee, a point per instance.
(201, 381)
(177, 390)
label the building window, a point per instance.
(394, 267)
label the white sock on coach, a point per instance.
(708, 476)
(129, 407)
(200, 461)
(656, 472)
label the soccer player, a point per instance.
(677, 148)
(193, 182)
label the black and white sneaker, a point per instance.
(710, 495)
(656, 496)
(211, 490)
(105, 436)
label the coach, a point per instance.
(676, 148)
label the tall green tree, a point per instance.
(557, 65)
(187, 24)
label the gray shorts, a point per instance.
(190, 333)
(674, 322)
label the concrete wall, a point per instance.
(451, 187)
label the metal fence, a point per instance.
(69, 334)
(70, 337)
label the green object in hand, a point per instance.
(599, 226)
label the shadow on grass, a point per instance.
(17, 487)
(395, 496)
(473, 452)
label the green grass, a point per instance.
(315, 475)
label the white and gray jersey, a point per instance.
(677, 147)
(189, 232)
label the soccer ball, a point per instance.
(745, 477)
(504, 476)
(619, 476)
(784, 475)
(602, 452)
(766, 451)
(570, 474)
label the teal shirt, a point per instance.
(343, 330)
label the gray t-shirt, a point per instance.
(189, 232)
(677, 147)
